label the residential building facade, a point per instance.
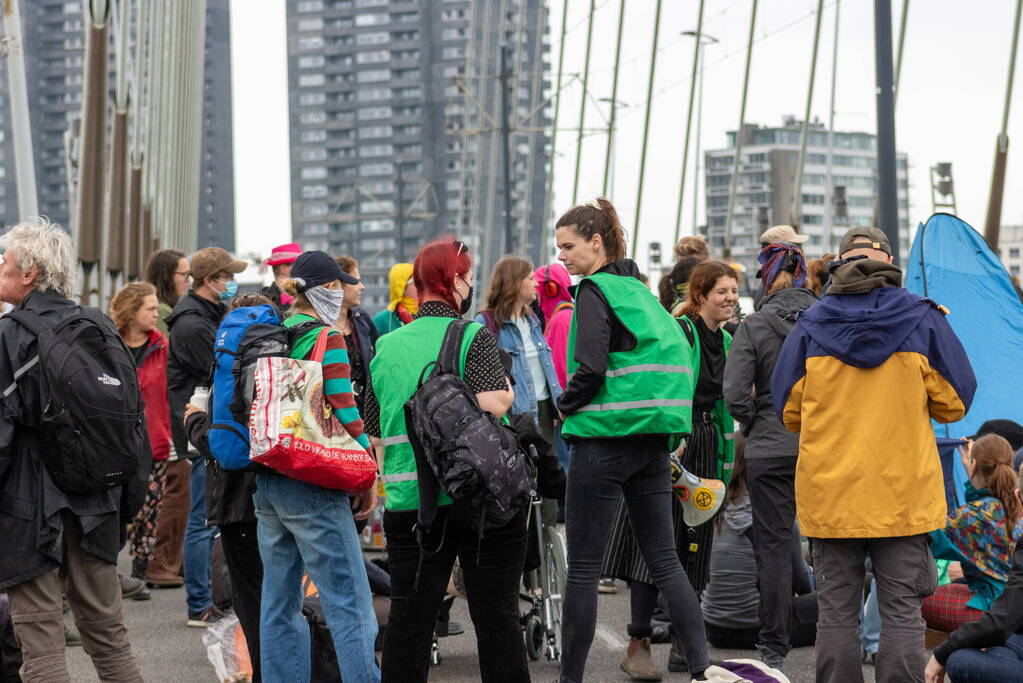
(395, 128)
(767, 176)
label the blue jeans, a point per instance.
(870, 621)
(301, 528)
(198, 542)
(994, 665)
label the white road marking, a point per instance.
(609, 638)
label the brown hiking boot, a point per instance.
(637, 662)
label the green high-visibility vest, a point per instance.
(400, 358)
(724, 423)
(646, 390)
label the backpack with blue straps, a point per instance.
(246, 335)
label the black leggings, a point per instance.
(603, 469)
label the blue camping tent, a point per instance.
(952, 264)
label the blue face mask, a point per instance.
(230, 290)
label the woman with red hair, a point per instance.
(420, 564)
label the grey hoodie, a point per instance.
(751, 360)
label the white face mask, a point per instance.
(326, 302)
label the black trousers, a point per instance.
(801, 627)
(241, 553)
(603, 470)
(492, 568)
(772, 496)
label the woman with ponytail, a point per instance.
(630, 393)
(980, 535)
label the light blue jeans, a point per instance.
(303, 527)
(198, 542)
(870, 621)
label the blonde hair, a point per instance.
(291, 286)
(43, 244)
(127, 302)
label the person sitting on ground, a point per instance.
(731, 601)
(281, 259)
(404, 302)
(989, 650)
(980, 535)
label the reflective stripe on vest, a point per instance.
(648, 367)
(401, 476)
(395, 440)
(648, 403)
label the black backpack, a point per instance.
(91, 417)
(470, 453)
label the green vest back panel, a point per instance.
(400, 359)
(646, 390)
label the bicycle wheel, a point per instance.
(556, 564)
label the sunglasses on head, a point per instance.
(462, 246)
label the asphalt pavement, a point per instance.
(171, 652)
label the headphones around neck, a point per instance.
(550, 287)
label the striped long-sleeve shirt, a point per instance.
(337, 375)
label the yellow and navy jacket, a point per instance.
(859, 378)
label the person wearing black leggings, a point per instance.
(631, 391)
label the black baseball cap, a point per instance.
(1007, 429)
(315, 268)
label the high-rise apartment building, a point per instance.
(1010, 248)
(767, 175)
(54, 38)
(396, 127)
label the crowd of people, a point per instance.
(814, 411)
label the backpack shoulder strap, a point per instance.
(451, 347)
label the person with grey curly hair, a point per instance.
(53, 541)
(39, 255)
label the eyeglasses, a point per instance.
(183, 273)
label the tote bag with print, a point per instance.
(293, 429)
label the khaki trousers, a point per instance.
(94, 593)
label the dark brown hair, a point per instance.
(127, 302)
(702, 281)
(992, 457)
(503, 291)
(587, 221)
(737, 485)
(160, 273)
(667, 288)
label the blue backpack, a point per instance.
(246, 335)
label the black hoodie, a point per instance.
(193, 328)
(598, 333)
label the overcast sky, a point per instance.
(949, 107)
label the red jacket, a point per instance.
(152, 371)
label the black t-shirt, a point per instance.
(137, 352)
(712, 366)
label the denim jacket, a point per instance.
(511, 341)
